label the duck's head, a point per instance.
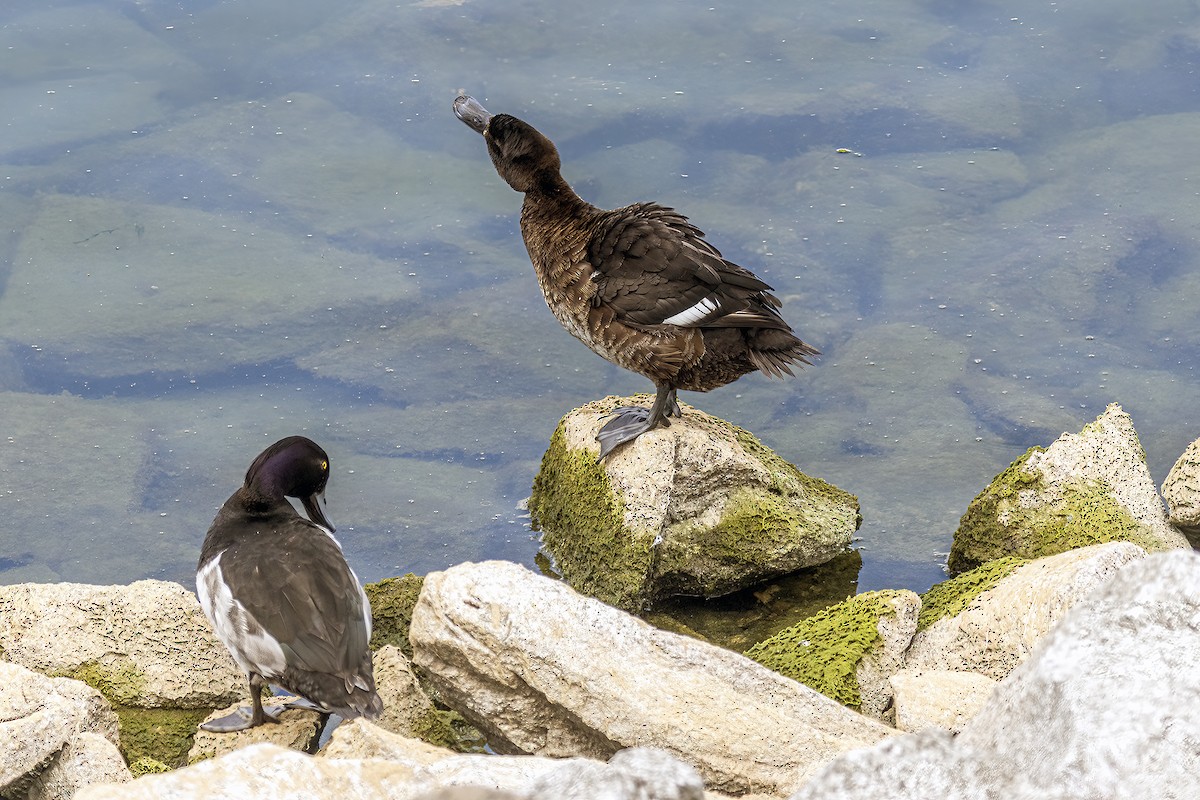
(523, 157)
(293, 467)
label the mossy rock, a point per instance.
(392, 604)
(121, 685)
(1017, 516)
(699, 509)
(825, 650)
(162, 735)
(950, 597)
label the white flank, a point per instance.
(251, 647)
(690, 315)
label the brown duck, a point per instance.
(639, 285)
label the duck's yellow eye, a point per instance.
(324, 466)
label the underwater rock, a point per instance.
(40, 718)
(701, 508)
(849, 650)
(938, 698)
(1101, 711)
(1085, 488)
(990, 619)
(1181, 489)
(533, 665)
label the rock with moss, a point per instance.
(990, 619)
(1085, 488)
(392, 602)
(701, 508)
(1181, 490)
(849, 650)
(43, 721)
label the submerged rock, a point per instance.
(1085, 488)
(701, 508)
(849, 650)
(533, 664)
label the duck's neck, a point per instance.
(554, 198)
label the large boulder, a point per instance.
(1103, 710)
(849, 650)
(1181, 490)
(701, 508)
(55, 733)
(146, 644)
(990, 619)
(543, 670)
(1089, 487)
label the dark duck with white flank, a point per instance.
(639, 285)
(280, 595)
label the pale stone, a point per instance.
(1181, 489)
(700, 508)
(268, 772)
(543, 670)
(639, 773)
(406, 707)
(147, 643)
(938, 698)
(360, 738)
(1000, 627)
(39, 716)
(87, 759)
(887, 656)
(297, 729)
(1103, 710)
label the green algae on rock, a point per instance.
(1085, 489)
(701, 508)
(392, 603)
(951, 596)
(825, 651)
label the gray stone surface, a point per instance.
(534, 665)
(1181, 489)
(1104, 710)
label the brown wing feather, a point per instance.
(651, 265)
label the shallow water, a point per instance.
(231, 222)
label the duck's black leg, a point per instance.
(239, 720)
(631, 422)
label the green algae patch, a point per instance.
(1019, 515)
(120, 685)
(951, 597)
(159, 734)
(147, 766)
(582, 524)
(392, 604)
(824, 651)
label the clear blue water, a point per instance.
(227, 222)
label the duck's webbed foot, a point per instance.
(631, 422)
(242, 719)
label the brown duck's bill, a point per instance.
(312, 504)
(467, 109)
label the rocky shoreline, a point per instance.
(1058, 667)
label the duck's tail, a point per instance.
(774, 351)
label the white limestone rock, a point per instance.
(543, 670)
(938, 698)
(87, 759)
(1103, 710)
(147, 643)
(1000, 627)
(1181, 489)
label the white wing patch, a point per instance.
(693, 314)
(252, 648)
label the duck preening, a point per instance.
(280, 595)
(639, 285)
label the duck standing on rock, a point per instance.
(639, 285)
(280, 595)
